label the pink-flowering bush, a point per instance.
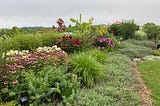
(115, 28)
(103, 43)
(15, 64)
(61, 27)
(69, 44)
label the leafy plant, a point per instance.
(140, 35)
(103, 43)
(61, 26)
(127, 29)
(115, 29)
(27, 42)
(69, 44)
(153, 31)
(88, 69)
(100, 56)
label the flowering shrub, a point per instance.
(115, 28)
(61, 26)
(103, 43)
(17, 61)
(69, 45)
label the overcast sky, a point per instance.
(46, 12)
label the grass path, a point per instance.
(150, 72)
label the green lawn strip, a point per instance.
(117, 90)
(150, 71)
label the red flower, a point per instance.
(70, 37)
(59, 44)
(77, 41)
(63, 37)
(64, 46)
(76, 46)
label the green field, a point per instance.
(150, 72)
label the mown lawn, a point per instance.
(150, 71)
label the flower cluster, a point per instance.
(15, 64)
(61, 26)
(115, 28)
(103, 42)
(68, 44)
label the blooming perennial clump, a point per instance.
(103, 42)
(61, 27)
(69, 44)
(17, 61)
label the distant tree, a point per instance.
(153, 31)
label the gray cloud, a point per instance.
(45, 12)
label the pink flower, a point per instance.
(100, 40)
(103, 48)
(5, 83)
(14, 81)
(104, 39)
(99, 47)
(4, 76)
(13, 71)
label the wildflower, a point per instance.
(5, 83)
(99, 47)
(75, 46)
(102, 48)
(14, 81)
(63, 37)
(70, 37)
(4, 76)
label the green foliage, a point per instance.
(140, 35)
(150, 74)
(134, 51)
(156, 53)
(115, 29)
(27, 42)
(70, 44)
(6, 34)
(12, 103)
(146, 43)
(50, 82)
(127, 29)
(88, 69)
(48, 39)
(98, 55)
(153, 31)
(117, 89)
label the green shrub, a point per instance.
(156, 53)
(50, 83)
(27, 42)
(48, 39)
(140, 35)
(88, 69)
(153, 31)
(127, 29)
(99, 55)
